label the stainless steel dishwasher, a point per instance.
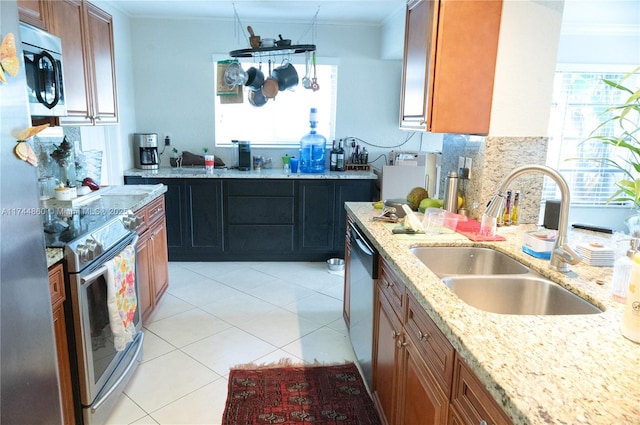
(363, 271)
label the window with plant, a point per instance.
(594, 137)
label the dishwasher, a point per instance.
(362, 273)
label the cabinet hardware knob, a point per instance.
(394, 334)
(401, 344)
(423, 337)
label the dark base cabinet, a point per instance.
(257, 219)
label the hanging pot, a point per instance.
(286, 75)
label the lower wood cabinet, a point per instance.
(418, 378)
(58, 296)
(470, 402)
(153, 260)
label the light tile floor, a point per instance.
(217, 315)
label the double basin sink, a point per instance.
(492, 281)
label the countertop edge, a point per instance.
(199, 173)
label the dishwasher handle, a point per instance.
(364, 248)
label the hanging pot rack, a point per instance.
(272, 51)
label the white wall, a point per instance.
(174, 87)
(529, 33)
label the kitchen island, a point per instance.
(258, 215)
(570, 369)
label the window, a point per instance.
(282, 121)
(579, 100)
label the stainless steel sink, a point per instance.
(492, 281)
(518, 295)
(467, 260)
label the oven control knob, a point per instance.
(82, 253)
(131, 221)
(94, 248)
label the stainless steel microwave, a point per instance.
(42, 54)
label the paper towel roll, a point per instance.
(433, 165)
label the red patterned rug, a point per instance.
(298, 395)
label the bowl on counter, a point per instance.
(335, 264)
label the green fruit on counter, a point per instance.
(378, 205)
(416, 195)
(430, 203)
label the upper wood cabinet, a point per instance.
(449, 65)
(88, 60)
(34, 12)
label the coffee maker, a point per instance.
(145, 151)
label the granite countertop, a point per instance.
(273, 173)
(109, 198)
(571, 369)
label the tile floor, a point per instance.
(217, 315)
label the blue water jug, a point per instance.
(313, 148)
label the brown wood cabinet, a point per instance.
(449, 65)
(387, 341)
(34, 12)
(471, 404)
(153, 259)
(58, 296)
(413, 366)
(89, 65)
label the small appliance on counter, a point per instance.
(409, 170)
(145, 151)
(244, 156)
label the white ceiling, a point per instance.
(353, 11)
(592, 16)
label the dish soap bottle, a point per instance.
(313, 148)
(622, 273)
(631, 316)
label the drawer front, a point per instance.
(143, 216)
(393, 288)
(471, 399)
(431, 343)
(56, 284)
(260, 211)
(155, 210)
(260, 188)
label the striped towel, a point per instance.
(121, 297)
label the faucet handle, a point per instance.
(563, 256)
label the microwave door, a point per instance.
(47, 89)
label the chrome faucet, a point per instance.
(562, 254)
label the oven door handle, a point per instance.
(92, 276)
(95, 406)
(103, 269)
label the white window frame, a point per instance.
(560, 143)
(286, 126)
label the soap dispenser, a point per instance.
(631, 316)
(622, 272)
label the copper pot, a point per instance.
(270, 88)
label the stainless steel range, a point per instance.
(92, 236)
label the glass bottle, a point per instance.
(340, 157)
(313, 148)
(333, 157)
(622, 273)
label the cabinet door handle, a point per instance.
(401, 344)
(387, 284)
(423, 337)
(395, 334)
